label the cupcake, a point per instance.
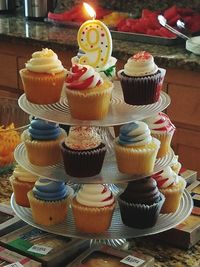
(22, 182)
(42, 141)
(140, 203)
(48, 201)
(108, 71)
(163, 129)
(83, 152)
(92, 208)
(88, 95)
(171, 186)
(141, 80)
(43, 77)
(135, 149)
(176, 165)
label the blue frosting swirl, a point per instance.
(134, 134)
(44, 130)
(46, 189)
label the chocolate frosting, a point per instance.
(144, 191)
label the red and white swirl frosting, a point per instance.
(160, 123)
(82, 138)
(83, 77)
(166, 178)
(95, 195)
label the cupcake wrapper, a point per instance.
(91, 106)
(85, 217)
(165, 142)
(48, 212)
(141, 90)
(140, 215)
(42, 153)
(83, 163)
(42, 88)
(137, 160)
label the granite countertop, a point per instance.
(165, 255)
(16, 29)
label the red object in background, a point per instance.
(78, 14)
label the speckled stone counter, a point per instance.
(39, 34)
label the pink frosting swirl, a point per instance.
(160, 123)
(82, 77)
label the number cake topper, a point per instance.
(95, 40)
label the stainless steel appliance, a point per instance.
(38, 9)
(7, 6)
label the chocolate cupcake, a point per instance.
(140, 203)
(141, 80)
(83, 152)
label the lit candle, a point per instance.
(94, 39)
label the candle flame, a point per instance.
(90, 10)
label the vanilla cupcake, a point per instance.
(92, 208)
(49, 201)
(43, 77)
(163, 129)
(88, 95)
(171, 185)
(136, 149)
(83, 152)
(141, 80)
(176, 165)
(42, 141)
(22, 182)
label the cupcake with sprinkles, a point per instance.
(171, 185)
(42, 140)
(93, 208)
(83, 152)
(49, 201)
(136, 149)
(141, 79)
(163, 129)
(87, 93)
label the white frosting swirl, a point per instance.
(82, 138)
(23, 175)
(166, 178)
(160, 123)
(44, 61)
(141, 64)
(133, 134)
(95, 195)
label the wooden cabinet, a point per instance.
(182, 86)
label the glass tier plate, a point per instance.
(117, 229)
(108, 174)
(119, 112)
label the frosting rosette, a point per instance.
(82, 138)
(23, 175)
(140, 64)
(43, 130)
(82, 77)
(160, 123)
(95, 195)
(49, 190)
(166, 178)
(44, 61)
(134, 134)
